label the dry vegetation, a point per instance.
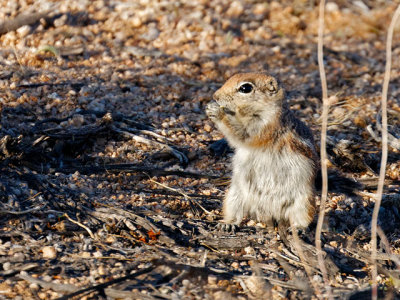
(109, 187)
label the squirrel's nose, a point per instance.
(217, 95)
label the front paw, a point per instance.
(214, 111)
(227, 227)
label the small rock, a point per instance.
(249, 250)
(207, 128)
(49, 252)
(331, 7)
(61, 21)
(102, 271)
(185, 282)
(212, 279)
(97, 254)
(24, 31)
(6, 266)
(317, 278)
(136, 22)
(85, 254)
(235, 9)
(34, 286)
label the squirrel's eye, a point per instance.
(245, 88)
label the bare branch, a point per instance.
(382, 172)
(298, 246)
(81, 225)
(324, 170)
(23, 19)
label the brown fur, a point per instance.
(274, 161)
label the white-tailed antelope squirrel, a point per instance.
(275, 161)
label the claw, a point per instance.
(227, 227)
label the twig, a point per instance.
(175, 193)
(117, 294)
(133, 168)
(125, 216)
(139, 139)
(12, 212)
(57, 287)
(302, 257)
(386, 244)
(106, 284)
(81, 225)
(392, 140)
(23, 19)
(187, 197)
(324, 171)
(23, 212)
(382, 172)
(25, 267)
(74, 85)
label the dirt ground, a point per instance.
(111, 183)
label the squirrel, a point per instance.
(274, 162)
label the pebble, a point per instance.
(249, 250)
(177, 31)
(212, 279)
(34, 286)
(6, 266)
(207, 128)
(317, 278)
(49, 252)
(24, 31)
(185, 282)
(60, 21)
(102, 271)
(331, 7)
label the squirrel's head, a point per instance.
(254, 93)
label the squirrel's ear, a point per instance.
(272, 85)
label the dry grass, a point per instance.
(382, 172)
(324, 169)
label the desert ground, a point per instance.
(112, 177)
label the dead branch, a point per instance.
(57, 287)
(324, 169)
(132, 168)
(139, 139)
(393, 141)
(106, 284)
(307, 267)
(17, 269)
(74, 85)
(385, 242)
(127, 217)
(23, 19)
(81, 225)
(382, 172)
(117, 294)
(187, 197)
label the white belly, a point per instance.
(273, 185)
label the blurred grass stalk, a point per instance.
(325, 108)
(382, 172)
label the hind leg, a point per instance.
(302, 212)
